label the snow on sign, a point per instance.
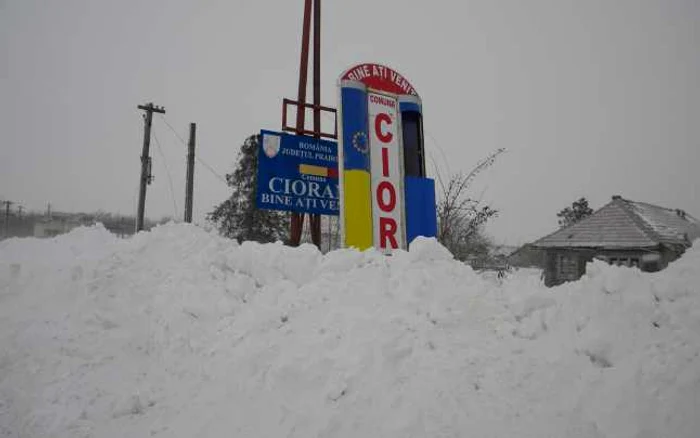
(297, 173)
(386, 199)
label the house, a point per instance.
(624, 233)
(502, 251)
(56, 224)
(527, 256)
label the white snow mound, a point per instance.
(181, 333)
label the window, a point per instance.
(567, 267)
(624, 261)
(619, 261)
(412, 144)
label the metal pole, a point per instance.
(189, 191)
(315, 219)
(297, 219)
(317, 68)
(303, 67)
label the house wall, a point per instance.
(15, 226)
(630, 258)
(562, 265)
(650, 260)
(568, 264)
(670, 253)
(53, 228)
(527, 257)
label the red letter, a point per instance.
(387, 231)
(385, 162)
(386, 206)
(382, 117)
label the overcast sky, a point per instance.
(590, 98)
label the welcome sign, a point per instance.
(387, 201)
(297, 173)
(385, 171)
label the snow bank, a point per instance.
(180, 333)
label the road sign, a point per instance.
(297, 173)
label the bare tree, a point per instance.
(460, 217)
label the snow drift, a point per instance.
(180, 333)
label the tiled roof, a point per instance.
(670, 226)
(626, 224)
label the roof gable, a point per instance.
(667, 225)
(611, 226)
(626, 224)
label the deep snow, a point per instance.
(181, 333)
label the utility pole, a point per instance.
(7, 217)
(189, 191)
(146, 177)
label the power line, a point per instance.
(174, 131)
(167, 171)
(197, 157)
(203, 163)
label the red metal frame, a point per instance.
(303, 131)
(297, 220)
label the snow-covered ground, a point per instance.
(181, 333)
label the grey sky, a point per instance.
(591, 98)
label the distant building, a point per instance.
(492, 259)
(623, 233)
(56, 224)
(502, 251)
(527, 256)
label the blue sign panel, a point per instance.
(297, 173)
(355, 132)
(421, 219)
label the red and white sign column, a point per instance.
(386, 172)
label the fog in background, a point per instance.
(590, 98)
